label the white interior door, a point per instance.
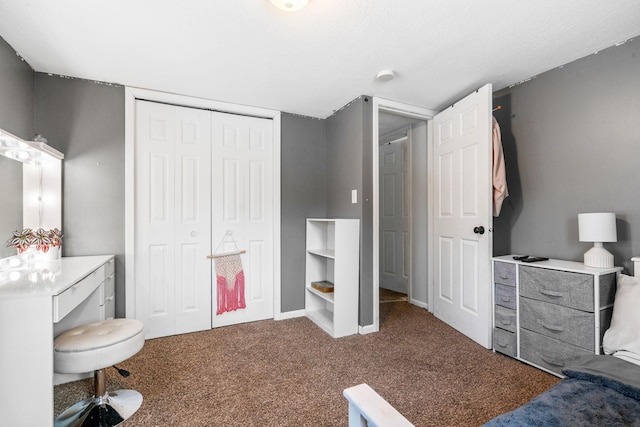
(394, 217)
(462, 204)
(242, 203)
(172, 218)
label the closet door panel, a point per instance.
(242, 201)
(172, 225)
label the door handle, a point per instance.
(478, 230)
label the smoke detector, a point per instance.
(385, 75)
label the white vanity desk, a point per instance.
(37, 303)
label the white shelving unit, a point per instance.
(333, 254)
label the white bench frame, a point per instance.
(368, 409)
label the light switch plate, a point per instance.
(354, 196)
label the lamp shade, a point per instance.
(597, 227)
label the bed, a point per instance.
(597, 390)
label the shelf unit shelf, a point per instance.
(328, 296)
(333, 254)
(322, 318)
(326, 253)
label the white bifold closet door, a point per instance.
(199, 174)
(242, 202)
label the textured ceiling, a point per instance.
(314, 61)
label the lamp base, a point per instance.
(598, 257)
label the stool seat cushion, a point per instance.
(97, 345)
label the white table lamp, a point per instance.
(597, 228)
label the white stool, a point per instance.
(94, 347)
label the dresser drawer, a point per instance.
(548, 352)
(504, 273)
(505, 342)
(505, 318)
(505, 296)
(573, 290)
(74, 295)
(566, 324)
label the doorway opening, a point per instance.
(400, 204)
(394, 191)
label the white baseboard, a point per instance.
(420, 304)
(289, 315)
(367, 329)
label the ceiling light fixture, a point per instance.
(290, 5)
(385, 75)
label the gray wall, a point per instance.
(85, 121)
(16, 117)
(571, 139)
(344, 168)
(366, 241)
(349, 133)
(304, 194)
(16, 93)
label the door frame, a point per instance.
(131, 95)
(393, 107)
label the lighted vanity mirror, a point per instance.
(30, 187)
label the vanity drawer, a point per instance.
(108, 309)
(505, 318)
(504, 273)
(100, 273)
(108, 288)
(504, 342)
(505, 296)
(74, 295)
(110, 267)
(573, 290)
(548, 352)
(566, 324)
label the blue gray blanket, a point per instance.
(597, 391)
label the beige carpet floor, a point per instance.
(291, 373)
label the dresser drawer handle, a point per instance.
(551, 293)
(504, 276)
(551, 327)
(550, 361)
(505, 299)
(505, 322)
(503, 345)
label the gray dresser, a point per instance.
(549, 313)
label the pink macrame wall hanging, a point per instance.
(230, 280)
(229, 277)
